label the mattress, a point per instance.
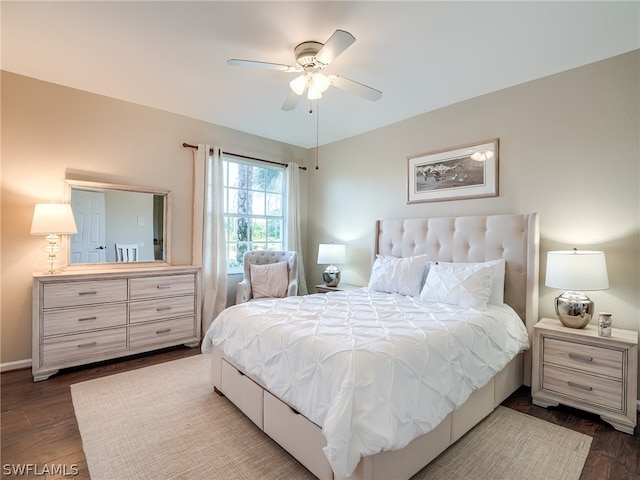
(375, 370)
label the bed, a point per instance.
(367, 384)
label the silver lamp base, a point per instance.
(331, 276)
(574, 309)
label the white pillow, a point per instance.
(497, 290)
(269, 280)
(462, 284)
(399, 275)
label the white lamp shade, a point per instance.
(298, 84)
(320, 81)
(51, 218)
(577, 270)
(331, 254)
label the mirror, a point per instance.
(118, 224)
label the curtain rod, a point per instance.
(245, 156)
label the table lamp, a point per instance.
(52, 220)
(330, 253)
(576, 271)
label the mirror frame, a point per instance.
(86, 185)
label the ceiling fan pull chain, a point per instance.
(317, 130)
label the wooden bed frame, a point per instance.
(459, 239)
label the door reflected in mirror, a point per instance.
(118, 223)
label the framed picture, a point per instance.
(468, 171)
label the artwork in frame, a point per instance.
(468, 171)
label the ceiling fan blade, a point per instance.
(292, 101)
(269, 66)
(337, 43)
(355, 87)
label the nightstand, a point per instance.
(322, 288)
(578, 368)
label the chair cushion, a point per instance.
(269, 280)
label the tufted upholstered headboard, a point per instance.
(474, 239)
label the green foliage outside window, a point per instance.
(254, 212)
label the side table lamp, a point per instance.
(52, 220)
(331, 254)
(576, 271)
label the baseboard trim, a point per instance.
(18, 365)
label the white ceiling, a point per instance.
(422, 55)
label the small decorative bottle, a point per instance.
(604, 324)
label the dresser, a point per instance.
(578, 368)
(89, 316)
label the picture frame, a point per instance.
(467, 171)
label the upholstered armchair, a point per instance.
(268, 273)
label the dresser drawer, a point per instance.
(161, 286)
(80, 345)
(80, 319)
(589, 388)
(158, 309)
(69, 294)
(161, 332)
(586, 358)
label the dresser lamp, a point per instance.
(330, 253)
(576, 271)
(52, 220)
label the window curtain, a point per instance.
(209, 251)
(294, 239)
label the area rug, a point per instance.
(166, 422)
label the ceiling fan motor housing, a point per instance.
(306, 53)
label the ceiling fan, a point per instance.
(311, 58)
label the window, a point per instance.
(254, 200)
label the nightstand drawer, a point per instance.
(586, 358)
(589, 388)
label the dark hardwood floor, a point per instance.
(39, 428)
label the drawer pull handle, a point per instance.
(162, 309)
(295, 412)
(85, 345)
(87, 318)
(582, 387)
(584, 358)
(164, 286)
(88, 292)
(163, 330)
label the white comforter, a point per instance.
(376, 370)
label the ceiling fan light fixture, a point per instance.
(314, 92)
(298, 84)
(320, 81)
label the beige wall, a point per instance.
(569, 149)
(51, 132)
